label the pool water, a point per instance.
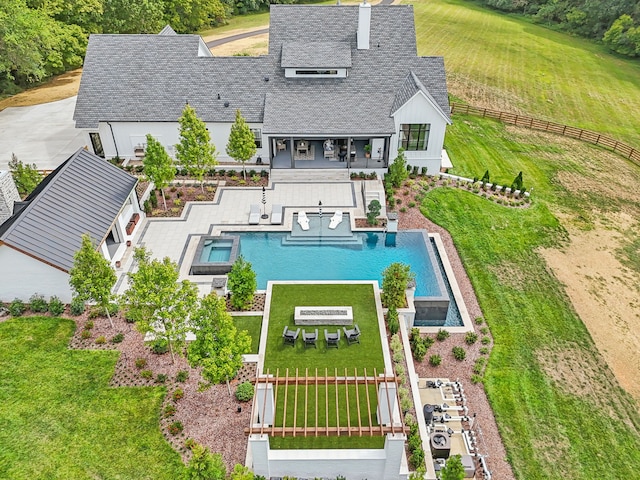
(216, 251)
(271, 260)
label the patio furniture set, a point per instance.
(332, 339)
(336, 219)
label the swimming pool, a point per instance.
(271, 260)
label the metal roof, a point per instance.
(83, 195)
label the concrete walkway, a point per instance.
(42, 134)
(177, 238)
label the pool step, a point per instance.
(309, 175)
(354, 241)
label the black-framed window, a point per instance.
(257, 135)
(414, 136)
(96, 143)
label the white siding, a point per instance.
(420, 110)
(22, 276)
(129, 134)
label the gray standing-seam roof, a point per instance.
(316, 55)
(83, 195)
(150, 77)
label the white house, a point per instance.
(336, 78)
(85, 194)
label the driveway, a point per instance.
(42, 134)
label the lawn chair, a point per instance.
(335, 220)
(289, 337)
(276, 214)
(352, 335)
(254, 214)
(303, 220)
(332, 339)
(310, 338)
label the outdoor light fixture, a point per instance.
(264, 203)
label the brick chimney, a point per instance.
(364, 25)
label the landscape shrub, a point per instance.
(395, 343)
(169, 411)
(484, 350)
(442, 335)
(141, 363)
(411, 204)
(101, 340)
(400, 369)
(161, 378)
(414, 443)
(77, 307)
(182, 376)
(118, 338)
(470, 338)
(409, 419)
(159, 346)
(86, 334)
(129, 318)
(392, 320)
(153, 199)
(475, 378)
(459, 353)
(178, 394)
(417, 458)
(405, 404)
(484, 330)
(244, 391)
(423, 171)
(175, 428)
(398, 357)
(479, 365)
(146, 206)
(38, 304)
(435, 360)
(56, 307)
(113, 309)
(146, 374)
(419, 351)
(17, 307)
(88, 325)
(485, 340)
(95, 312)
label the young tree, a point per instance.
(157, 302)
(395, 279)
(205, 465)
(242, 283)
(242, 144)
(453, 470)
(517, 183)
(218, 346)
(240, 472)
(158, 166)
(25, 176)
(91, 278)
(374, 211)
(196, 153)
(398, 170)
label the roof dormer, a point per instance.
(316, 59)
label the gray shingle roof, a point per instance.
(149, 77)
(84, 195)
(409, 88)
(316, 54)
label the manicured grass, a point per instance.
(549, 432)
(319, 442)
(507, 63)
(367, 354)
(60, 419)
(252, 324)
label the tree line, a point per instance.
(616, 22)
(41, 38)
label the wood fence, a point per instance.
(566, 130)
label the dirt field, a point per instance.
(60, 87)
(253, 46)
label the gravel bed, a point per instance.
(490, 442)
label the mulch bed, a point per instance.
(210, 417)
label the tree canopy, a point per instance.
(196, 153)
(218, 346)
(157, 302)
(158, 165)
(25, 176)
(242, 283)
(242, 143)
(395, 279)
(91, 278)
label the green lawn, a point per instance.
(507, 63)
(59, 418)
(367, 354)
(549, 432)
(252, 324)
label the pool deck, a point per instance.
(177, 238)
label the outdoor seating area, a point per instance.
(352, 335)
(254, 214)
(303, 220)
(336, 219)
(310, 338)
(290, 336)
(332, 339)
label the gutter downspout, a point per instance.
(115, 144)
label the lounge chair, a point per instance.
(310, 338)
(332, 339)
(276, 214)
(254, 214)
(289, 337)
(352, 335)
(303, 220)
(336, 219)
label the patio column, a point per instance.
(386, 402)
(259, 446)
(293, 162)
(264, 404)
(394, 451)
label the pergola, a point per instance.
(385, 404)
